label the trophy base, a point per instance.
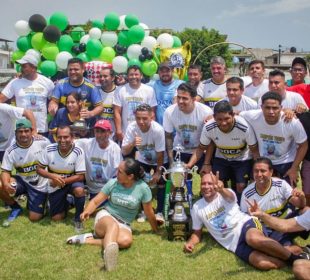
(179, 230)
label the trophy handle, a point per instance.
(193, 170)
(164, 173)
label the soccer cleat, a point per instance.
(110, 255)
(141, 217)
(14, 214)
(159, 218)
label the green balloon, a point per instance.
(18, 54)
(23, 43)
(176, 42)
(107, 54)
(38, 41)
(77, 33)
(48, 68)
(97, 23)
(111, 21)
(149, 67)
(93, 48)
(134, 61)
(50, 51)
(185, 77)
(65, 43)
(131, 20)
(136, 34)
(123, 38)
(17, 68)
(84, 57)
(60, 20)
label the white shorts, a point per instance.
(103, 213)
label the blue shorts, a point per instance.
(35, 199)
(186, 158)
(240, 171)
(1, 155)
(243, 250)
(280, 169)
(58, 199)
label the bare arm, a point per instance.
(6, 179)
(254, 150)
(52, 107)
(169, 146)
(193, 240)
(93, 113)
(92, 205)
(148, 210)
(30, 116)
(298, 198)
(157, 173)
(197, 154)
(3, 98)
(118, 122)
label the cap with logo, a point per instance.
(103, 124)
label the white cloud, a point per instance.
(267, 8)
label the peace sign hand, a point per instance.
(217, 183)
(254, 209)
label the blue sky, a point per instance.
(259, 23)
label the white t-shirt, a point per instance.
(274, 201)
(129, 99)
(66, 165)
(153, 141)
(32, 95)
(101, 164)
(223, 220)
(291, 100)
(256, 92)
(245, 104)
(278, 141)
(8, 116)
(107, 100)
(188, 127)
(232, 145)
(25, 161)
(304, 220)
(213, 92)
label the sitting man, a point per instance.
(63, 164)
(23, 156)
(274, 196)
(238, 232)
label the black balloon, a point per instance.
(142, 57)
(149, 55)
(145, 51)
(82, 47)
(75, 49)
(51, 33)
(37, 23)
(120, 49)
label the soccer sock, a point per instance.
(79, 207)
(160, 199)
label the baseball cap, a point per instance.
(23, 123)
(164, 65)
(28, 58)
(299, 60)
(103, 124)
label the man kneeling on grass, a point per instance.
(238, 232)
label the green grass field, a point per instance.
(38, 251)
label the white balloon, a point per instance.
(84, 39)
(94, 33)
(34, 53)
(155, 77)
(62, 60)
(22, 28)
(134, 51)
(122, 25)
(146, 28)
(109, 39)
(165, 40)
(149, 42)
(120, 64)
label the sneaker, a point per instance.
(159, 218)
(14, 214)
(304, 256)
(141, 217)
(306, 249)
(110, 255)
(78, 226)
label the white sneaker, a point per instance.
(141, 217)
(159, 218)
(110, 256)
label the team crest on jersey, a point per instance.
(83, 94)
(177, 60)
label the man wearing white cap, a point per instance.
(31, 91)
